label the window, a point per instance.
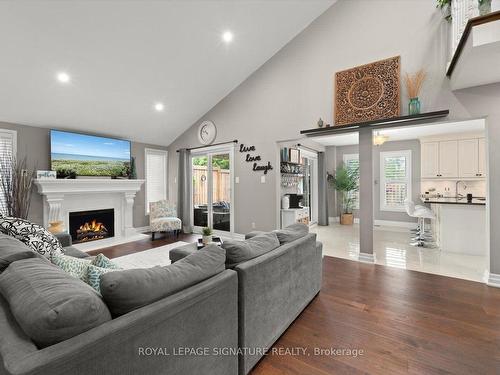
(8, 143)
(156, 176)
(395, 179)
(351, 162)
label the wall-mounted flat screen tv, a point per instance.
(88, 155)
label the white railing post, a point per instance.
(461, 12)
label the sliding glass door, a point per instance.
(212, 190)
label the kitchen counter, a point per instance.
(477, 201)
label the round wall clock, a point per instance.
(207, 132)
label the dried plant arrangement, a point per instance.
(16, 182)
(414, 82)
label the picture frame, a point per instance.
(294, 156)
(46, 175)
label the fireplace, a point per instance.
(85, 226)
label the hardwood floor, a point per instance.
(403, 321)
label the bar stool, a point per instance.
(423, 236)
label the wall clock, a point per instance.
(207, 132)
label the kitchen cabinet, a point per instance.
(468, 157)
(448, 159)
(291, 216)
(481, 157)
(430, 159)
(453, 158)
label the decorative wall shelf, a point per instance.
(377, 124)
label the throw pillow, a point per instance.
(36, 237)
(103, 262)
(12, 250)
(241, 251)
(49, 305)
(93, 277)
(291, 233)
(127, 290)
(76, 267)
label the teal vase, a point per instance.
(414, 106)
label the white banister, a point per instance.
(461, 12)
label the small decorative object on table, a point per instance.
(215, 240)
(207, 235)
(413, 84)
(320, 123)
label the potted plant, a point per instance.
(345, 181)
(445, 6)
(207, 235)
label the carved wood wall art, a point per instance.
(368, 92)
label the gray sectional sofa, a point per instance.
(146, 340)
(279, 273)
(242, 296)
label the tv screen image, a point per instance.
(88, 155)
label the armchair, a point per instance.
(163, 218)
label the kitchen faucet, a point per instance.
(456, 188)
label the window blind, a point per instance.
(395, 179)
(156, 176)
(7, 152)
(351, 162)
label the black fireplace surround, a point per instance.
(85, 226)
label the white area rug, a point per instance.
(147, 258)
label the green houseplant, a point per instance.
(445, 6)
(345, 181)
(207, 235)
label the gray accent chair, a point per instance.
(201, 316)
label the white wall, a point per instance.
(295, 87)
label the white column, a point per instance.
(54, 202)
(128, 216)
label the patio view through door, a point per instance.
(212, 190)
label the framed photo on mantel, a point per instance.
(368, 92)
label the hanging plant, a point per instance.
(445, 6)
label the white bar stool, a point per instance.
(423, 236)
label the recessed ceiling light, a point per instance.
(227, 36)
(159, 107)
(63, 77)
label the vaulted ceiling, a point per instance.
(123, 57)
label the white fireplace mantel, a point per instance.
(64, 196)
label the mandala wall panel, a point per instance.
(368, 92)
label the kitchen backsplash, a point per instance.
(477, 188)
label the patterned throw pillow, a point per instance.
(36, 237)
(93, 277)
(103, 262)
(76, 267)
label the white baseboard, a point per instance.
(399, 224)
(142, 229)
(366, 258)
(492, 279)
(336, 219)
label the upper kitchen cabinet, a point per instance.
(448, 159)
(453, 158)
(430, 159)
(481, 157)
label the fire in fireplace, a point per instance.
(93, 225)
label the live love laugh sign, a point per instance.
(254, 159)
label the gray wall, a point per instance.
(294, 88)
(34, 143)
(337, 156)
